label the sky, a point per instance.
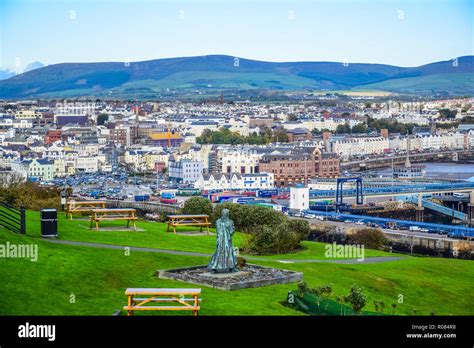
(396, 32)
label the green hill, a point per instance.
(219, 72)
(462, 83)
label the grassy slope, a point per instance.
(196, 79)
(155, 236)
(461, 82)
(98, 278)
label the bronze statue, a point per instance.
(224, 259)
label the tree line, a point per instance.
(225, 136)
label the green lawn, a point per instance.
(155, 236)
(98, 277)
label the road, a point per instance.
(384, 230)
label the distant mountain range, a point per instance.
(6, 74)
(33, 66)
(220, 72)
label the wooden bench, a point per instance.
(167, 296)
(113, 214)
(188, 220)
(82, 207)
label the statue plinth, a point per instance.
(249, 276)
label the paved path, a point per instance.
(190, 253)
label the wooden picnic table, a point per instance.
(188, 220)
(155, 295)
(113, 214)
(82, 206)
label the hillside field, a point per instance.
(96, 277)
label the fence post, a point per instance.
(22, 220)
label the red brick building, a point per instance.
(119, 136)
(298, 134)
(160, 166)
(299, 165)
(52, 136)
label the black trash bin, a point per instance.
(49, 223)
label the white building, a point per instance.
(259, 181)
(450, 141)
(299, 198)
(320, 123)
(235, 181)
(239, 160)
(348, 147)
(198, 127)
(197, 153)
(185, 171)
(87, 164)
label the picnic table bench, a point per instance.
(82, 207)
(113, 214)
(188, 220)
(167, 296)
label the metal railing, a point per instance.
(13, 219)
(437, 207)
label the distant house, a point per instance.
(52, 136)
(198, 127)
(298, 134)
(219, 181)
(185, 171)
(39, 169)
(235, 181)
(258, 181)
(422, 131)
(465, 128)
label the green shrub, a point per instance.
(303, 288)
(247, 217)
(323, 290)
(268, 231)
(197, 205)
(300, 227)
(370, 238)
(234, 213)
(356, 298)
(279, 239)
(318, 291)
(30, 195)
